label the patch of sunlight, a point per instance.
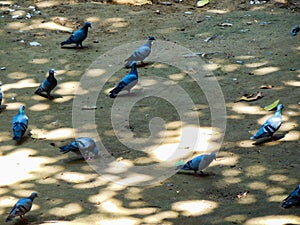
(166, 152)
(177, 76)
(236, 219)
(255, 170)
(120, 24)
(92, 19)
(6, 3)
(120, 220)
(250, 199)
(95, 72)
(227, 161)
(119, 166)
(231, 172)
(160, 66)
(195, 207)
(148, 82)
(17, 76)
(133, 193)
(97, 182)
(114, 206)
(246, 109)
(292, 136)
(75, 177)
(277, 198)
(235, 117)
(292, 83)
(72, 72)
(275, 190)
(230, 67)
(45, 4)
(67, 210)
(67, 88)
(211, 67)
(246, 143)
(15, 25)
(39, 61)
(266, 70)
(256, 185)
(134, 178)
(173, 125)
(18, 166)
(255, 65)
(60, 134)
(278, 178)
(39, 107)
(26, 83)
(160, 217)
(232, 180)
(274, 219)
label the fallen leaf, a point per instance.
(250, 98)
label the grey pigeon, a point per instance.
(19, 124)
(270, 126)
(293, 199)
(127, 82)
(21, 207)
(140, 53)
(79, 36)
(47, 85)
(295, 30)
(198, 163)
(84, 146)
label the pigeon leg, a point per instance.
(50, 97)
(203, 173)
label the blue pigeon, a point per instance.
(295, 30)
(270, 126)
(140, 53)
(47, 85)
(19, 124)
(84, 146)
(293, 199)
(21, 207)
(127, 82)
(198, 163)
(79, 36)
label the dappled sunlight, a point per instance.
(67, 210)
(266, 70)
(274, 219)
(292, 136)
(230, 67)
(195, 207)
(278, 178)
(120, 220)
(39, 61)
(67, 88)
(160, 217)
(39, 107)
(236, 218)
(244, 108)
(292, 83)
(256, 185)
(24, 83)
(59, 134)
(256, 64)
(75, 177)
(255, 171)
(18, 166)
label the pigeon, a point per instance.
(79, 36)
(293, 199)
(140, 53)
(295, 30)
(1, 95)
(199, 163)
(84, 146)
(127, 82)
(270, 126)
(47, 85)
(21, 207)
(19, 124)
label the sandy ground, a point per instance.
(251, 46)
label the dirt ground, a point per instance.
(244, 46)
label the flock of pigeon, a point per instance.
(87, 148)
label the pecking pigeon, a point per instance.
(84, 146)
(127, 82)
(140, 53)
(270, 126)
(21, 207)
(199, 163)
(47, 85)
(79, 36)
(1, 95)
(293, 199)
(19, 124)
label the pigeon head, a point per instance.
(133, 63)
(51, 71)
(88, 24)
(151, 38)
(33, 195)
(280, 107)
(21, 109)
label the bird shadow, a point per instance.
(74, 47)
(269, 139)
(2, 108)
(46, 96)
(193, 174)
(141, 65)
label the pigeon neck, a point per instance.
(149, 43)
(278, 112)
